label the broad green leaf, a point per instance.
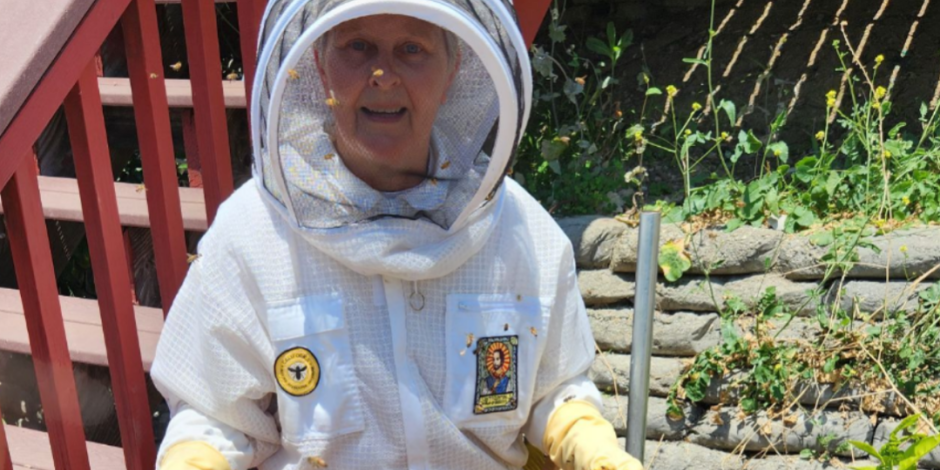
(833, 183)
(923, 111)
(904, 424)
(572, 89)
(822, 238)
(542, 63)
(867, 448)
(627, 39)
(804, 216)
(553, 149)
(751, 143)
(749, 405)
(653, 91)
(780, 150)
(673, 260)
(611, 33)
(896, 129)
(597, 46)
(734, 224)
(556, 32)
(916, 451)
(729, 109)
(753, 201)
(807, 454)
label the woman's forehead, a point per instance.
(390, 27)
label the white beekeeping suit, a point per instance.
(331, 323)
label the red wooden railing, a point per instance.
(72, 81)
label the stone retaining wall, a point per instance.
(686, 323)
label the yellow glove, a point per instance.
(193, 455)
(579, 438)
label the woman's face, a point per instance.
(387, 75)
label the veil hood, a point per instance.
(422, 232)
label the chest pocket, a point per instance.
(317, 393)
(494, 343)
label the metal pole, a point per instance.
(647, 268)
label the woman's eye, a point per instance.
(412, 48)
(358, 45)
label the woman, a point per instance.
(346, 306)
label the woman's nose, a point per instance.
(383, 74)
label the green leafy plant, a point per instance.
(574, 153)
(891, 455)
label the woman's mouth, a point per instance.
(383, 115)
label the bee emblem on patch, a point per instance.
(496, 383)
(297, 371)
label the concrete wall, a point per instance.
(686, 323)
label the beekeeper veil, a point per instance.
(383, 129)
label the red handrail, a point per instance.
(38, 109)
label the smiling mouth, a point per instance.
(383, 112)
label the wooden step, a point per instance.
(83, 329)
(179, 93)
(60, 201)
(30, 450)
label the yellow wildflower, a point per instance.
(688, 132)
(906, 200)
(776, 153)
(879, 59)
(831, 98)
(638, 136)
(880, 92)
(820, 135)
(887, 154)
(696, 107)
(293, 74)
(725, 136)
(671, 91)
(903, 248)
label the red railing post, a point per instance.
(6, 463)
(205, 68)
(530, 15)
(106, 245)
(249, 24)
(35, 275)
(145, 64)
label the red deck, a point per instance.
(54, 65)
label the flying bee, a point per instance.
(177, 66)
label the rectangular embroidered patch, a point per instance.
(496, 374)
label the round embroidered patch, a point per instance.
(297, 371)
